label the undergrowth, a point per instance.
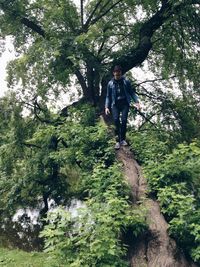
(92, 235)
(173, 174)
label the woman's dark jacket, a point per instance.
(111, 95)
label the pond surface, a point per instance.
(22, 230)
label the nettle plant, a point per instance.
(175, 181)
(93, 236)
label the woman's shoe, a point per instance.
(117, 145)
(123, 143)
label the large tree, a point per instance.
(59, 44)
(57, 40)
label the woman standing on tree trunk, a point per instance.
(118, 98)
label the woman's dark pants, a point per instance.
(120, 108)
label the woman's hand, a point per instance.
(107, 111)
(136, 105)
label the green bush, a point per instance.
(173, 174)
(149, 145)
(175, 181)
(92, 237)
(182, 165)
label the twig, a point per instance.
(85, 26)
(155, 80)
(103, 14)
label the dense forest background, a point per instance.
(50, 158)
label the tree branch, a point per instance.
(82, 13)
(149, 120)
(151, 96)
(33, 26)
(104, 13)
(116, 43)
(147, 93)
(104, 6)
(91, 15)
(155, 80)
(137, 55)
(81, 81)
(25, 21)
(146, 118)
(35, 110)
(101, 46)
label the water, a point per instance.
(22, 230)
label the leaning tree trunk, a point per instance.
(155, 248)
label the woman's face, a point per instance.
(117, 74)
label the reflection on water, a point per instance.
(22, 230)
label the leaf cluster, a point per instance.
(92, 237)
(175, 181)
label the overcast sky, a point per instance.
(4, 59)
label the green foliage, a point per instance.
(18, 258)
(183, 213)
(175, 200)
(182, 165)
(78, 145)
(53, 44)
(93, 234)
(175, 181)
(195, 253)
(149, 145)
(56, 159)
(92, 237)
(173, 177)
(187, 110)
(87, 140)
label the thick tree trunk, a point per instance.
(155, 248)
(93, 80)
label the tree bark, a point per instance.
(155, 248)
